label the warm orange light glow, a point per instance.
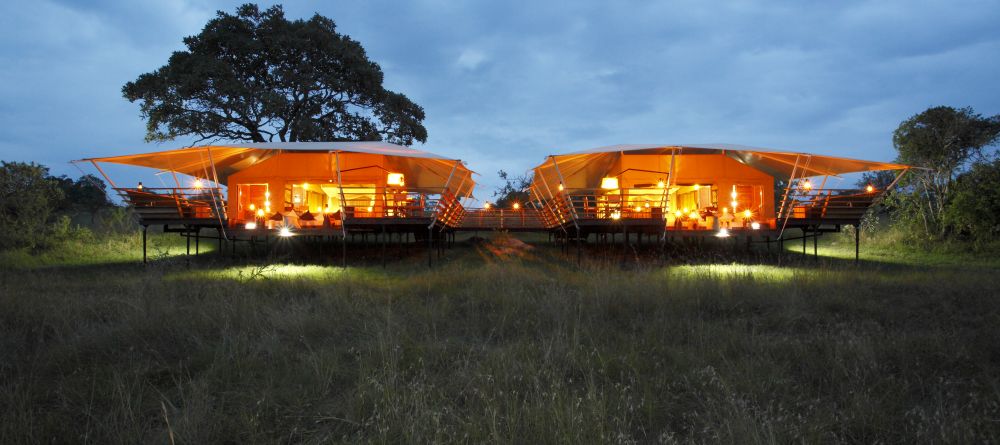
(616, 215)
(251, 226)
(722, 233)
(869, 189)
(747, 213)
(609, 183)
(561, 188)
(260, 213)
(647, 204)
(253, 207)
(697, 187)
(198, 183)
(693, 215)
(267, 194)
(733, 204)
(638, 208)
(755, 225)
(808, 185)
(305, 186)
(487, 206)
(660, 184)
(516, 205)
(285, 231)
(140, 185)
(677, 213)
(394, 179)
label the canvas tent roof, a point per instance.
(579, 169)
(420, 167)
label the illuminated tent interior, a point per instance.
(691, 186)
(325, 181)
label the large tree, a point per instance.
(256, 76)
(945, 141)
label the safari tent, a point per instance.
(332, 188)
(699, 188)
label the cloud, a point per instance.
(506, 83)
(470, 59)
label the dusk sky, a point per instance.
(506, 83)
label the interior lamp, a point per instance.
(394, 179)
(660, 184)
(609, 183)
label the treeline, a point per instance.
(954, 193)
(37, 208)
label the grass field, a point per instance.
(498, 343)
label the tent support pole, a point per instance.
(343, 213)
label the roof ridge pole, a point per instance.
(443, 189)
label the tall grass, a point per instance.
(529, 348)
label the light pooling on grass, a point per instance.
(271, 272)
(756, 272)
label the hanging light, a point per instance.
(251, 226)
(561, 188)
(516, 205)
(140, 185)
(198, 183)
(609, 183)
(697, 187)
(870, 188)
(660, 184)
(808, 185)
(394, 179)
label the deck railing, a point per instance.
(848, 205)
(163, 205)
(504, 219)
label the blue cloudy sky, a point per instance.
(506, 83)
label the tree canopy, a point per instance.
(256, 76)
(945, 141)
